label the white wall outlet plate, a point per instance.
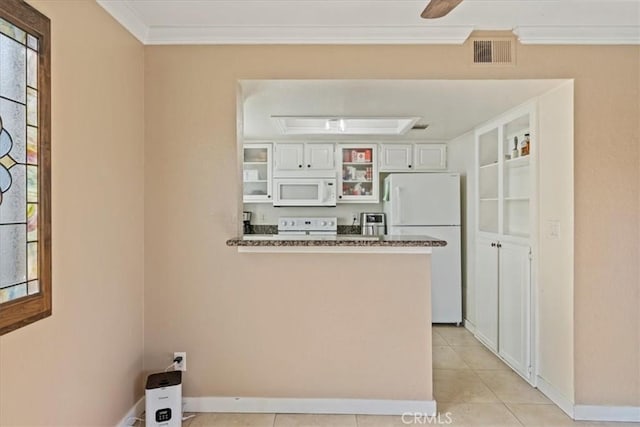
(553, 229)
(182, 366)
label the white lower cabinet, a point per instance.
(514, 306)
(487, 293)
(503, 300)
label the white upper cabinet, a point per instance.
(289, 157)
(310, 159)
(505, 153)
(358, 180)
(319, 156)
(396, 157)
(430, 157)
(256, 173)
(409, 157)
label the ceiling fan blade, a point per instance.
(439, 8)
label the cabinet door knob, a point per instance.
(493, 245)
(499, 245)
(269, 196)
(308, 166)
(409, 166)
(339, 197)
(299, 166)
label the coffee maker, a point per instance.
(246, 222)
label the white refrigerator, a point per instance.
(429, 204)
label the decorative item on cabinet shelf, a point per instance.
(250, 175)
(359, 155)
(514, 152)
(524, 146)
(357, 189)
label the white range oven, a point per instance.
(304, 192)
(308, 226)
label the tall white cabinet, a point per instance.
(505, 236)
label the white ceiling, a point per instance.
(374, 21)
(450, 107)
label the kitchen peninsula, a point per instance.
(336, 244)
(354, 320)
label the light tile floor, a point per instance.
(471, 385)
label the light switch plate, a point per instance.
(553, 229)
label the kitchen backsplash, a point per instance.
(266, 214)
(273, 229)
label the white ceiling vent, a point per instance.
(494, 51)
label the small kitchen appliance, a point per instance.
(246, 222)
(372, 223)
(163, 399)
(304, 192)
(311, 226)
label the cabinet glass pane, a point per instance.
(255, 155)
(255, 172)
(488, 216)
(488, 182)
(516, 178)
(514, 135)
(255, 189)
(357, 155)
(357, 172)
(488, 148)
(516, 217)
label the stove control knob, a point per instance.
(330, 222)
(323, 223)
(285, 223)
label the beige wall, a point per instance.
(203, 297)
(192, 201)
(83, 365)
(555, 255)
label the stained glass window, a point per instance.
(25, 242)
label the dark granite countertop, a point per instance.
(339, 240)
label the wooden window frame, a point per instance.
(24, 311)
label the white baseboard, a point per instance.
(469, 326)
(135, 411)
(308, 406)
(555, 395)
(588, 412)
(607, 413)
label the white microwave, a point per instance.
(304, 192)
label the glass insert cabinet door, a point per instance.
(25, 241)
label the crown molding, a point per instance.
(125, 14)
(122, 12)
(308, 35)
(606, 35)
